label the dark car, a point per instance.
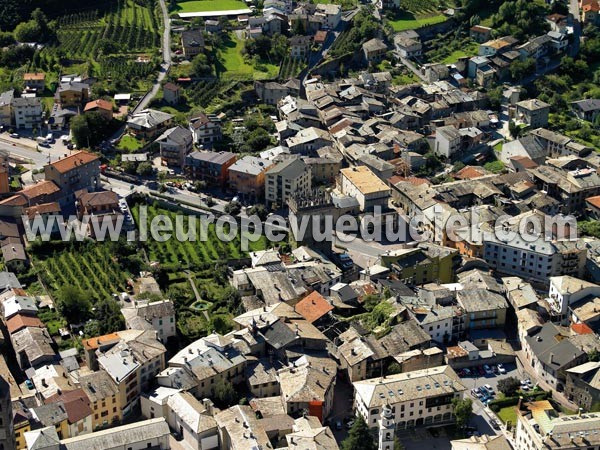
(494, 423)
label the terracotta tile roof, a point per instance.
(594, 201)
(37, 190)
(73, 161)
(15, 200)
(19, 321)
(98, 198)
(171, 87)
(470, 172)
(413, 180)
(313, 306)
(95, 342)
(320, 36)
(43, 208)
(525, 161)
(100, 104)
(581, 328)
(77, 404)
(37, 76)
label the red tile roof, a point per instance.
(470, 172)
(75, 160)
(98, 104)
(581, 328)
(20, 321)
(313, 306)
(594, 201)
(77, 404)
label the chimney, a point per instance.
(551, 358)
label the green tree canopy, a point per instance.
(463, 408)
(359, 437)
(509, 386)
(73, 303)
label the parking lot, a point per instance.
(477, 381)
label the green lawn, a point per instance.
(129, 143)
(231, 63)
(408, 21)
(469, 51)
(508, 414)
(209, 6)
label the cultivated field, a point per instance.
(208, 6)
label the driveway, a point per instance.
(343, 397)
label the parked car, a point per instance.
(338, 424)
(14, 135)
(494, 423)
(488, 370)
(501, 369)
(489, 389)
(29, 385)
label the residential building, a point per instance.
(152, 434)
(192, 43)
(566, 291)
(483, 442)
(540, 426)
(587, 109)
(428, 263)
(448, 141)
(175, 144)
(205, 363)
(79, 412)
(35, 80)
(308, 141)
(133, 363)
(491, 48)
(72, 94)
(535, 261)
(550, 352)
(158, 316)
(239, 429)
(435, 320)
(80, 170)
(247, 176)
(418, 398)
(480, 34)
(323, 170)
(307, 384)
(290, 177)
(6, 108)
(374, 50)
(270, 92)
(149, 123)
(583, 385)
(483, 309)
(105, 401)
(193, 421)
(308, 433)
(206, 129)
(300, 46)
(102, 107)
(27, 112)
(407, 47)
(33, 347)
(361, 183)
(331, 13)
(7, 432)
(172, 93)
(212, 167)
(533, 112)
(101, 208)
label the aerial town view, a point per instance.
(300, 224)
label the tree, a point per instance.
(359, 437)
(233, 208)
(514, 129)
(463, 408)
(522, 69)
(593, 355)
(509, 386)
(259, 210)
(73, 304)
(28, 31)
(201, 65)
(88, 129)
(144, 169)
(225, 394)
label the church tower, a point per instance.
(387, 426)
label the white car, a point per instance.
(501, 369)
(489, 389)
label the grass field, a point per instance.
(410, 21)
(508, 413)
(129, 143)
(208, 6)
(457, 54)
(231, 63)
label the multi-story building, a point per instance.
(104, 397)
(536, 261)
(286, 178)
(133, 364)
(539, 426)
(158, 316)
(27, 112)
(81, 170)
(102, 107)
(7, 434)
(175, 144)
(100, 208)
(6, 109)
(331, 13)
(566, 290)
(583, 385)
(149, 123)
(533, 112)
(35, 80)
(483, 309)
(212, 167)
(206, 129)
(247, 176)
(448, 141)
(361, 183)
(72, 93)
(192, 43)
(418, 398)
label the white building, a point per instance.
(286, 178)
(539, 426)
(332, 14)
(448, 141)
(27, 112)
(158, 316)
(361, 183)
(193, 421)
(566, 290)
(421, 397)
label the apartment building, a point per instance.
(206, 129)
(27, 112)
(158, 316)
(247, 176)
(81, 170)
(175, 144)
(291, 177)
(418, 398)
(212, 167)
(104, 397)
(361, 183)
